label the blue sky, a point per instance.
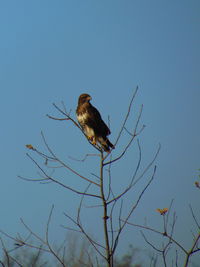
(52, 51)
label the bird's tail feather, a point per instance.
(106, 144)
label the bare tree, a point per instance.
(98, 187)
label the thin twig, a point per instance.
(194, 217)
(126, 117)
(63, 164)
(125, 221)
(57, 182)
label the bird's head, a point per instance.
(83, 98)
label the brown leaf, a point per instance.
(29, 146)
(162, 211)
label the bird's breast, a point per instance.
(82, 117)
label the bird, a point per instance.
(92, 124)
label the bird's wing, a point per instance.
(96, 121)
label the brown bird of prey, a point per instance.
(92, 124)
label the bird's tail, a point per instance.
(106, 144)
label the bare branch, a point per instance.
(160, 233)
(127, 116)
(47, 177)
(85, 157)
(125, 221)
(192, 250)
(92, 241)
(194, 217)
(47, 239)
(57, 119)
(130, 141)
(63, 164)
(132, 183)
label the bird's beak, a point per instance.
(89, 98)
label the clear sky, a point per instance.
(52, 51)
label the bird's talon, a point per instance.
(92, 140)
